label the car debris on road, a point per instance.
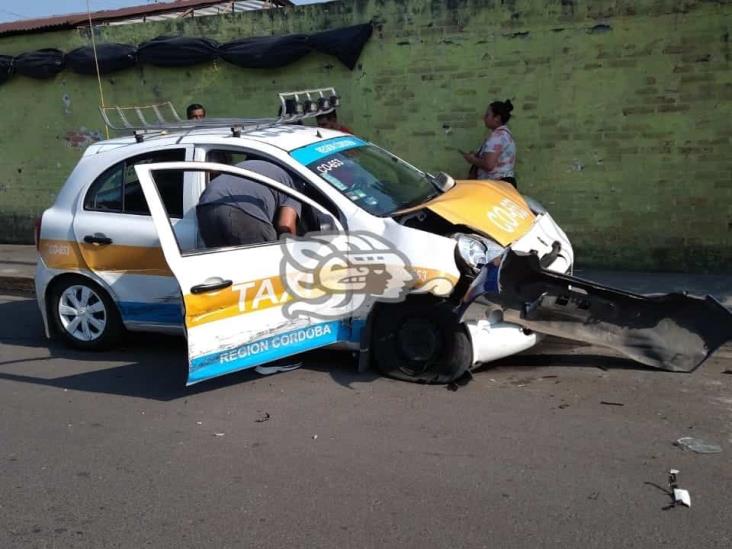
(680, 496)
(698, 446)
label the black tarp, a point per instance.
(111, 57)
(346, 43)
(177, 51)
(265, 51)
(6, 67)
(45, 63)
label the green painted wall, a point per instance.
(622, 114)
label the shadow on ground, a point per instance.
(153, 366)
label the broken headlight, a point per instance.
(474, 251)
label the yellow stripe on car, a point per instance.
(254, 295)
(67, 254)
(258, 295)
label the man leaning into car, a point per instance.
(235, 211)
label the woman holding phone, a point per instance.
(496, 158)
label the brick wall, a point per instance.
(622, 113)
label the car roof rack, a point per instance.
(163, 117)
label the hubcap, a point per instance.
(82, 313)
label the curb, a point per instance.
(17, 284)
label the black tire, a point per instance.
(100, 310)
(420, 340)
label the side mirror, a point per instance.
(444, 182)
(325, 222)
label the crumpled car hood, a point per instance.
(493, 208)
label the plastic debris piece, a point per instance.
(682, 497)
(199, 423)
(679, 495)
(315, 437)
(610, 403)
(219, 434)
(697, 445)
(263, 418)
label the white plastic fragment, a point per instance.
(315, 437)
(682, 497)
(219, 434)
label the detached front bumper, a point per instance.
(674, 332)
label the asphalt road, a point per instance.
(111, 450)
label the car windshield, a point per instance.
(375, 180)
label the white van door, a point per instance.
(238, 309)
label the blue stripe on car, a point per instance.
(268, 349)
(321, 149)
(160, 313)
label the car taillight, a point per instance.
(37, 232)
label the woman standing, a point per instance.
(497, 157)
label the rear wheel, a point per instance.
(84, 314)
(421, 341)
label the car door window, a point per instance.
(106, 192)
(118, 188)
(229, 157)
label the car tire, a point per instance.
(420, 340)
(83, 314)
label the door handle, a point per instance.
(97, 238)
(210, 286)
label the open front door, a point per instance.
(235, 298)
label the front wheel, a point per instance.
(84, 315)
(421, 341)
